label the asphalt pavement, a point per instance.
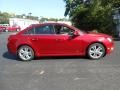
(59, 73)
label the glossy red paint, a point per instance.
(58, 44)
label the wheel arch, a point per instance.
(99, 43)
(26, 45)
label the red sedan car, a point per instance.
(13, 28)
(55, 39)
(2, 28)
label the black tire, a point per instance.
(24, 56)
(96, 54)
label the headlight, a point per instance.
(109, 39)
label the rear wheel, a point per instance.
(18, 30)
(96, 51)
(6, 30)
(25, 53)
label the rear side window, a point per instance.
(47, 29)
(31, 31)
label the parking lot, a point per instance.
(59, 73)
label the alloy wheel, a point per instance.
(26, 53)
(96, 51)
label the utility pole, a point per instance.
(29, 15)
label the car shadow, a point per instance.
(61, 58)
(10, 56)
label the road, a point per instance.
(59, 73)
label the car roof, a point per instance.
(41, 24)
(48, 24)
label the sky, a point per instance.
(40, 8)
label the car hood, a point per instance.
(97, 35)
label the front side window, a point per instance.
(63, 30)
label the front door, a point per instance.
(67, 44)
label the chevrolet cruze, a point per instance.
(55, 39)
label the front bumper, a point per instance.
(109, 48)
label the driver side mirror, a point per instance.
(76, 33)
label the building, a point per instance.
(23, 23)
(64, 22)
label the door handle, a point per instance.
(58, 39)
(34, 39)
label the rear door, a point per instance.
(44, 39)
(46, 42)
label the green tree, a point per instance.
(92, 14)
(4, 17)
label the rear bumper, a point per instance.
(11, 48)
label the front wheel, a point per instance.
(96, 51)
(25, 53)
